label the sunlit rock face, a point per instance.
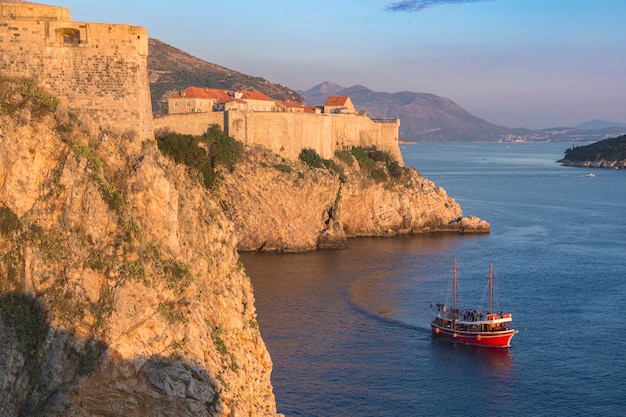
(283, 205)
(121, 292)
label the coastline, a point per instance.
(601, 163)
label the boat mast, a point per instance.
(454, 285)
(490, 288)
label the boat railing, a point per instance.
(445, 312)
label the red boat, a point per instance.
(473, 327)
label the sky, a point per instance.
(516, 63)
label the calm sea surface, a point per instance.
(349, 334)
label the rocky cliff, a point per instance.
(121, 292)
(284, 205)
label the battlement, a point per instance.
(99, 70)
(30, 11)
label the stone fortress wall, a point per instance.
(288, 133)
(189, 123)
(99, 70)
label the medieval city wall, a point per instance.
(284, 133)
(99, 70)
(189, 123)
(288, 133)
(360, 130)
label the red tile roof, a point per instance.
(206, 93)
(220, 95)
(254, 95)
(313, 109)
(336, 101)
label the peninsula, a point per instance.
(608, 153)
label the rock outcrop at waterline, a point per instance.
(281, 205)
(601, 163)
(121, 292)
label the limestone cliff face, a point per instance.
(282, 205)
(409, 206)
(121, 292)
(277, 204)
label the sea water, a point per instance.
(348, 331)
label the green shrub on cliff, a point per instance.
(311, 158)
(334, 166)
(394, 168)
(370, 158)
(202, 153)
(286, 168)
(344, 156)
(222, 148)
(186, 149)
(362, 158)
(314, 160)
(16, 94)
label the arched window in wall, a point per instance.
(68, 36)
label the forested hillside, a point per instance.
(613, 149)
(172, 70)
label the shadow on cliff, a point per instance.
(39, 365)
(46, 371)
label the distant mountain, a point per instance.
(598, 124)
(430, 118)
(423, 117)
(172, 70)
(321, 92)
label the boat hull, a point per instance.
(496, 339)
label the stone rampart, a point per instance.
(99, 70)
(288, 133)
(33, 11)
(189, 123)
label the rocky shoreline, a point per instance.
(601, 163)
(297, 208)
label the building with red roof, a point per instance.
(201, 100)
(290, 106)
(339, 105)
(195, 100)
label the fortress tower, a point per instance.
(99, 70)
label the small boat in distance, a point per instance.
(472, 327)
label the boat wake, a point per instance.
(382, 316)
